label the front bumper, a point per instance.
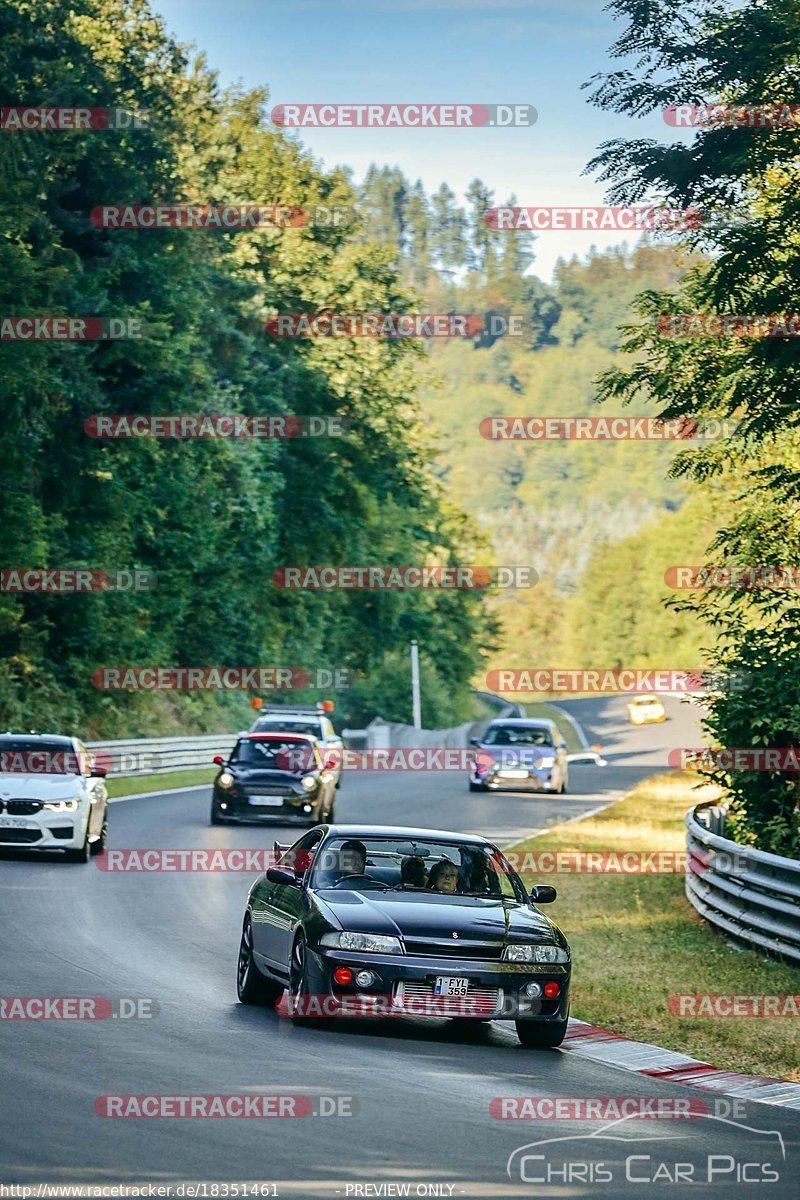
(292, 807)
(534, 780)
(45, 830)
(393, 971)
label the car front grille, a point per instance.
(267, 790)
(25, 836)
(418, 1000)
(432, 948)
(21, 808)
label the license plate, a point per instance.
(13, 822)
(449, 985)
(515, 774)
(266, 801)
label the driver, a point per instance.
(352, 861)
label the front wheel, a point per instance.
(83, 854)
(251, 985)
(101, 845)
(538, 1036)
(476, 787)
(299, 997)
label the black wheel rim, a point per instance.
(245, 956)
(298, 968)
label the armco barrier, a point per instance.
(145, 756)
(752, 896)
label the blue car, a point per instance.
(520, 754)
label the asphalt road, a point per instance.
(412, 1098)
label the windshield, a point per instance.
(416, 865)
(34, 757)
(277, 754)
(308, 725)
(517, 735)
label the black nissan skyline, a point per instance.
(370, 920)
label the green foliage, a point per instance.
(212, 518)
(746, 179)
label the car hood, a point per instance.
(423, 915)
(39, 787)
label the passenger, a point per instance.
(412, 871)
(443, 876)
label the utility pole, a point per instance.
(415, 700)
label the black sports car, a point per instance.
(372, 920)
(273, 775)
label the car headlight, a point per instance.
(546, 761)
(226, 780)
(374, 943)
(63, 805)
(309, 782)
(536, 954)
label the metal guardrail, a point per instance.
(146, 756)
(752, 896)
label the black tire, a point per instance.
(338, 783)
(216, 819)
(562, 791)
(101, 845)
(476, 787)
(331, 817)
(535, 1035)
(80, 856)
(251, 986)
(298, 986)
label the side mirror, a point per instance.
(543, 894)
(474, 742)
(562, 746)
(219, 760)
(278, 875)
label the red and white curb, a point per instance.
(590, 1041)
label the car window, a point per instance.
(299, 857)
(309, 726)
(276, 754)
(518, 735)
(416, 864)
(34, 756)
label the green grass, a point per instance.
(132, 784)
(552, 713)
(636, 940)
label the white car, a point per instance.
(53, 796)
(309, 720)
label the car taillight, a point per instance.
(551, 990)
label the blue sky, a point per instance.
(516, 51)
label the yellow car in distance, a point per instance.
(645, 710)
